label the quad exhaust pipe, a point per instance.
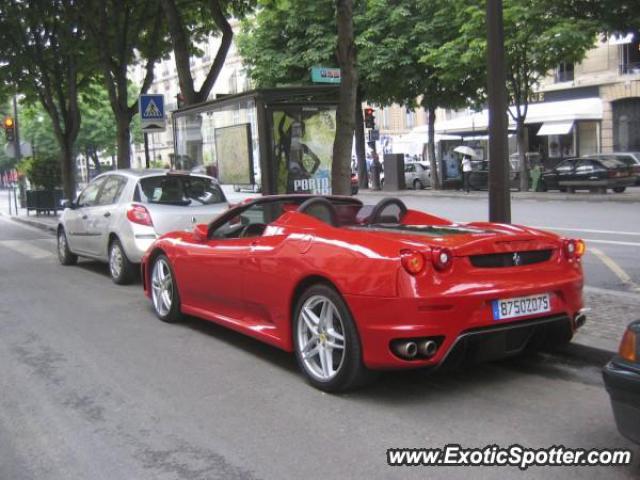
(410, 349)
(406, 349)
(427, 348)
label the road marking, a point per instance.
(589, 230)
(615, 268)
(612, 242)
(26, 248)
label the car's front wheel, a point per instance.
(121, 269)
(619, 189)
(164, 292)
(65, 255)
(327, 345)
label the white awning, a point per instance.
(555, 128)
(621, 39)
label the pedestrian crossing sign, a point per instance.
(151, 108)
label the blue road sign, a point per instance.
(151, 109)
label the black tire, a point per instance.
(173, 314)
(571, 190)
(65, 255)
(122, 271)
(563, 189)
(619, 189)
(417, 184)
(351, 372)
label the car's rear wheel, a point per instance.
(164, 292)
(326, 341)
(417, 184)
(65, 255)
(121, 269)
(619, 189)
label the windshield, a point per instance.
(183, 190)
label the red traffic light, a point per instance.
(369, 119)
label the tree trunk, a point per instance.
(123, 123)
(345, 114)
(433, 162)
(522, 154)
(361, 154)
(68, 167)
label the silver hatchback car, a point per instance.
(120, 213)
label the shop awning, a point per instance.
(555, 128)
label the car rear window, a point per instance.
(611, 162)
(184, 190)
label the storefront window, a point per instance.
(561, 146)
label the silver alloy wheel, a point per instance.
(161, 287)
(62, 244)
(116, 260)
(321, 340)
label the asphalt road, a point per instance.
(93, 386)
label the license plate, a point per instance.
(521, 306)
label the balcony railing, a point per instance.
(629, 68)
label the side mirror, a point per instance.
(201, 232)
(67, 204)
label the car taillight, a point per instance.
(574, 248)
(442, 258)
(628, 346)
(412, 261)
(140, 215)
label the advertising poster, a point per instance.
(303, 149)
(234, 154)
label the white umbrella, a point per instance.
(464, 150)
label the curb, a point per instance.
(542, 197)
(586, 353)
(36, 224)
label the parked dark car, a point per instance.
(631, 159)
(622, 379)
(588, 174)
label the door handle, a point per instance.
(84, 217)
(107, 214)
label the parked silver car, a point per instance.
(417, 175)
(120, 213)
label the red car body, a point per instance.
(251, 284)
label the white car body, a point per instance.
(91, 224)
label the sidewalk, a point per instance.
(610, 312)
(631, 195)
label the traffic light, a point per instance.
(9, 129)
(369, 119)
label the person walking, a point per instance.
(466, 172)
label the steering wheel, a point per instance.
(320, 208)
(377, 212)
(252, 230)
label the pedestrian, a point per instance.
(466, 171)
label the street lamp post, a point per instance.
(499, 200)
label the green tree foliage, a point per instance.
(44, 57)
(124, 33)
(191, 21)
(285, 38)
(537, 39)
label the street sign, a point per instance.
(374, 135)
(152, 117)
(325, 75)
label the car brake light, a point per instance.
(442, 258)
(412, 261)
(628, 349)
(139, 214)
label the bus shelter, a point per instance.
(279, 139)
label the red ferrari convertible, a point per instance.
(352, 288)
